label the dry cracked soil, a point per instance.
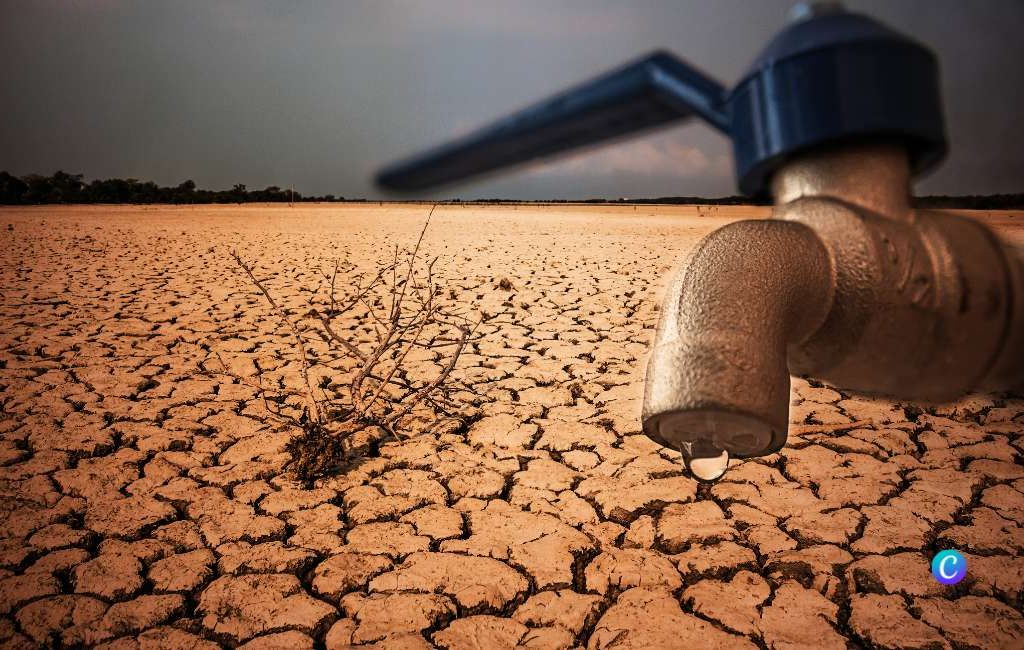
(145, 505)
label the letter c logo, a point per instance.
(949, 567)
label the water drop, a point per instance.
(704, 464)
(708, 469)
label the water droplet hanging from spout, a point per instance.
(706, 463)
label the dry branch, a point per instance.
(399, 306)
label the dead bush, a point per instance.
(393, 339)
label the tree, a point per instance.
(12, 189)
(40, 189)
(68, 186)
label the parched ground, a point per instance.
(144, 505)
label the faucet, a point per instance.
(846, 282)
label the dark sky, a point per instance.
(319, 94)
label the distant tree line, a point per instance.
(62, 187)
(972, 202)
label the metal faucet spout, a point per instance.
(847, 284)
(718, 372)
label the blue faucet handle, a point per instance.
(656, 90)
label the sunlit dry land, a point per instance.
(146, 505)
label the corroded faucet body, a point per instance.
(847, 284)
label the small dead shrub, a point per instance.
(391, 338)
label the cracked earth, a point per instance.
(147, 506)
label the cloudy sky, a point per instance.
(320, 94)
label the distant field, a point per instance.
(141, 500)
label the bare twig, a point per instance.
(349, 347)
(398, 309)
(393, 419)
(286, 319)
(261, 390)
